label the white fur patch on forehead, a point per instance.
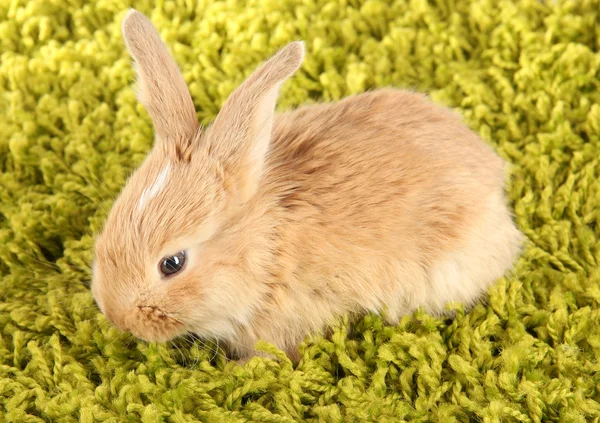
(155, 188)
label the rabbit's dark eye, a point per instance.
(173, 264)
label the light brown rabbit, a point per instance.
(268, 227)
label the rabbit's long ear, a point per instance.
(240, 135)
(161, 87)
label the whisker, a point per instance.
(49, 264)
(197, 356)
(101, 185)
(190, 345)
(101, 326)
(130, 343)
(99, 206)
(116, 339)
(206, 345)
(216, 349)
(180, 351)
(64, 283)
(233, 341)
(216, 338)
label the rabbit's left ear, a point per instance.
(240, 135)
(162, 89)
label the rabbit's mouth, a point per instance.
(156, 325)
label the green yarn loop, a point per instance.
(525, 74)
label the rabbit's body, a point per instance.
(266, 227)
(408, 211)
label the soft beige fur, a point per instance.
(381, 202)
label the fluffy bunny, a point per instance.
(268, 226)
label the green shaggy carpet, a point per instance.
(525, 74)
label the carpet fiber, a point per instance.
(525, 74)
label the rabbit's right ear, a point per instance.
(161, 87)
(241, 134)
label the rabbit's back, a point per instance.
(387, 199)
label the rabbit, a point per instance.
(270, 226)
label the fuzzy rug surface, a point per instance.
(526, 76)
